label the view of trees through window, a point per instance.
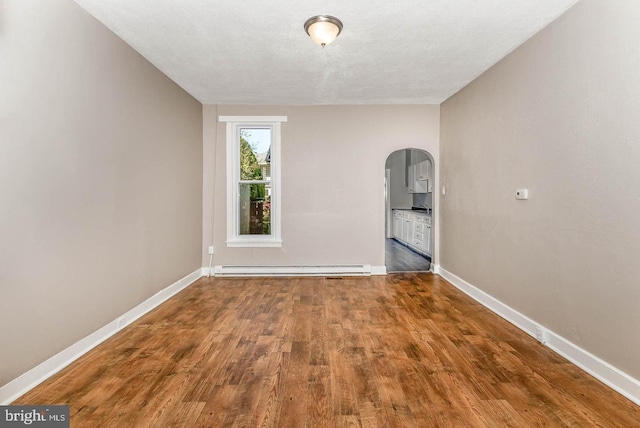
(255, 177)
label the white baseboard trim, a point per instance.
(378, 270)
(25, 382)
(435, 268)
(596, 367)
(320, 270)
(514, 317)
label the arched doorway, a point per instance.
(409, 207)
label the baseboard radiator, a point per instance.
(327, 270)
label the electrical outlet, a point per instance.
(542, 335)
(121, 322)
(211, 249)
(522, 194)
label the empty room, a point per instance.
(290, 214)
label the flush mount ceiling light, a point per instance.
(323, 29)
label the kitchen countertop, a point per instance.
(413, 211)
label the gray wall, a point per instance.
(399, 195)
(333, 169)
(100, 179)
(422, 200)
(561, 117)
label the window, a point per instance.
(253, 181)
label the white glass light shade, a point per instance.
(323, 33)
(323, 29)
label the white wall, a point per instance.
(561, 117)
(100, 179)
(333, 180)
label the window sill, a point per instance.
(255, 244)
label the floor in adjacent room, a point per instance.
(399, 258)
(402, 350)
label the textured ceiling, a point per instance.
(390, 52)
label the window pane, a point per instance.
(255, 209)
(255, 153)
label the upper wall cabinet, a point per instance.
(416, 185)
(423, 170)
(419, 178)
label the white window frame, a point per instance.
(234, 124)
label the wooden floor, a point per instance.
(399, 258)
(405, 350)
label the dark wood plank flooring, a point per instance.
(399, 258)
(405, 350)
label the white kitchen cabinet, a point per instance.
(397, 224)
(413, 229)
(427, 240)
(417, 185)
(419, 225)
(418, 242)
(407, 229)
(423, 175)
(423, 170)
